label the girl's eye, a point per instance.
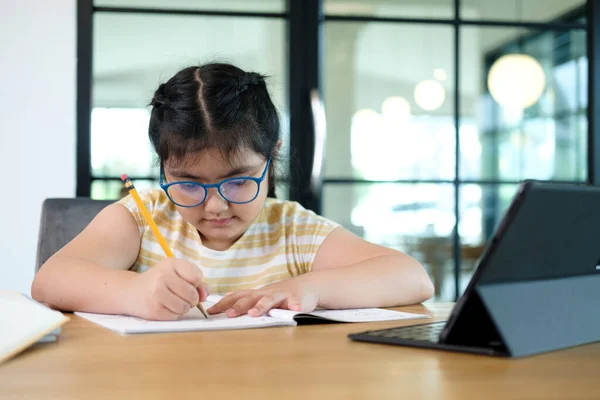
(189, 187)
(239, 183)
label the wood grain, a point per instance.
(307, 362)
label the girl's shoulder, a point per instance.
(300, 231)
(152, 199)
(157, 203)
(288, 213)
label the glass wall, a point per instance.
(135, 52)
(436, 109)
(428, 137)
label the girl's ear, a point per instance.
(277, 147)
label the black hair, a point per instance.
(214, 106)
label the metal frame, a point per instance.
(457, 21)
(304, 61)
(175, 11)
(456, 183)
(593, 111)
(84, 97)
(352, 181)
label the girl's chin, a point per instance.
(225, 235)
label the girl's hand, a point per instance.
(285, 294)
(166, 291)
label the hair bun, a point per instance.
(160, 97)
(247, 80)
(254, 79)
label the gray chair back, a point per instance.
(62, 220)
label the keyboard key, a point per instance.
(427, 332)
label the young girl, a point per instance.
(216, 133)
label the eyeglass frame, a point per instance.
(165, 186)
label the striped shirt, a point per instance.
(281, 243)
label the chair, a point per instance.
(61, 221)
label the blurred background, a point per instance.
(434, 110)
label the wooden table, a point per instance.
(307, 362)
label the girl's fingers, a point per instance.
(267, 302)
(226, 302)
(165, 314)
(243, 305)
(182, 289)
(188, 272)
(202, 291)
(257, 303)
(174, 303)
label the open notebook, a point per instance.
(194, 321)
(24, 322)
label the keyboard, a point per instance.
(425, 335)
(424, 332)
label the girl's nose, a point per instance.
(214, 203)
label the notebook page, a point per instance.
(23, 322)
(349, 315)
(192, 321)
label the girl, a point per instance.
(216, 134)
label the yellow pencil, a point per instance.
(159, 237)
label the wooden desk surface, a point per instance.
(308, 362)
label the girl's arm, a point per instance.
(91, 271)
(91, 274)
(348, 272)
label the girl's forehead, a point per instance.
(214, 160)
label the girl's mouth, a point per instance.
(219, 221)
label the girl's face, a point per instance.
(219, 222)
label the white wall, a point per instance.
(37, 125)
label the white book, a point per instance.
(194, 321)
(23, 322)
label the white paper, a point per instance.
(347, 315)
(195, 321)
(24, 321)
(350, 315)
(192, 321)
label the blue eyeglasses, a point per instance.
(238, 190)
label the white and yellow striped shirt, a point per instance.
(280, 244)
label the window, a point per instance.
(420, 155)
